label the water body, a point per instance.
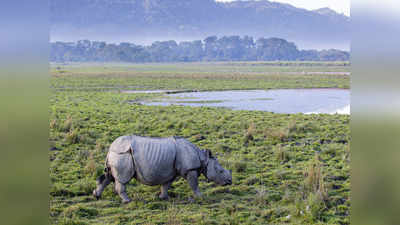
(308, 101)
(146, 91)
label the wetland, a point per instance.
(288, 168)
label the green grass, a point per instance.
(290, 169)
(204, 67)
(194, 76)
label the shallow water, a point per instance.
(306, 101)
(146, 91)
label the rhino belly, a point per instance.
(154, 162)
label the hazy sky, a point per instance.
(341, 6)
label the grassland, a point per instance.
(213, 76)
(287, 169)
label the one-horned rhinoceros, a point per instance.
(158, 161)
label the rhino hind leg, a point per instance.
(191, 177)
(121, 190)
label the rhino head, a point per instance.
(215, 172)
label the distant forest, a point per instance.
(226, 48)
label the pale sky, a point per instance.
(341, 6)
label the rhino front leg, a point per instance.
(102, 183)
(164, 190)
(121, 190)
(192, 180)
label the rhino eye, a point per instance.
(221, 171)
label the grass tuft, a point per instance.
(68, 124)
(249, 134)
(314, 178)
(174, 215)
(261, 197)
(72, 137)
(280, 134)
(282, 154)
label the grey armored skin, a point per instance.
(158, 161)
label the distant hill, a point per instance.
(144, 21)
(226, 48)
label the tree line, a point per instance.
(226, 48)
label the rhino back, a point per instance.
(154, 159)
(121, 144)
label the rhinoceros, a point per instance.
(158, 161)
